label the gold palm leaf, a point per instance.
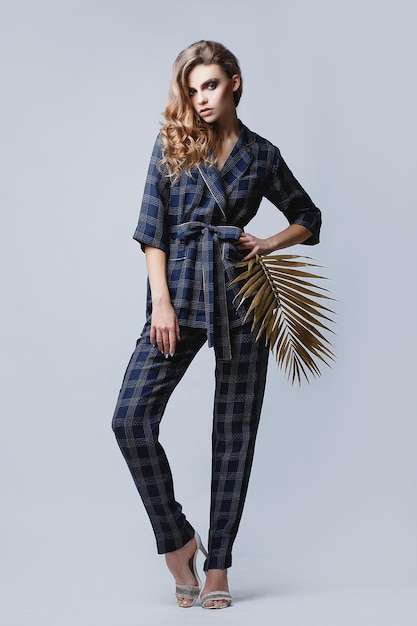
(288, 311)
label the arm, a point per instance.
(286, 193)
(165, 328)
(151, 234)
(293, 234)
(151, 228)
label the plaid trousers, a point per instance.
(239, 389)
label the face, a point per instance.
(211, 92)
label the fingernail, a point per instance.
(172, 354)
(166, 356)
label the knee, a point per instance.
(135, 428)
(124, 421)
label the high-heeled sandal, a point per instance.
(212, 596)
(191, 592)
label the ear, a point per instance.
(235, 82)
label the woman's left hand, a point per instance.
(254, 245)
(293, 234)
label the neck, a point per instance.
(228, 129)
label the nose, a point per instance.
(201, 98)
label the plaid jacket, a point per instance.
(197, 220)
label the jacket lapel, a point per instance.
(238, 160)
(213, 180)
(221, 183)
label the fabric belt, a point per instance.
(213, 274)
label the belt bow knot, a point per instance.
(213, 272)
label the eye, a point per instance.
(212, 85)
(191, 92)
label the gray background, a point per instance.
(328, 535)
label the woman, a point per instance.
(207, 176)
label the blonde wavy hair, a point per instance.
(187, 139)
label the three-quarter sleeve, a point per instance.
(151, 229)
(286, 193)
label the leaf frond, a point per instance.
(288, 311)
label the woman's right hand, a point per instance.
(165, 328)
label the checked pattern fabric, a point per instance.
(231, 197)
(239, 389)
(213, 274)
